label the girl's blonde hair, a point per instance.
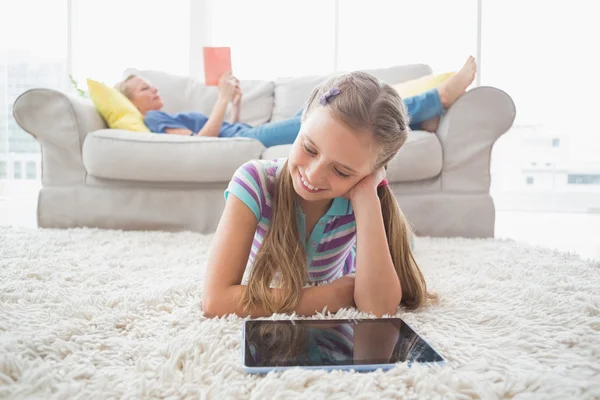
(364, 104)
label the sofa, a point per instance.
(93, 176)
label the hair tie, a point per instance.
(329, 95)
(384, 182)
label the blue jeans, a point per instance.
(420, 108)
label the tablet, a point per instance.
(334, 344)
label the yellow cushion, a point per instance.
(116, 109)
(420, 85)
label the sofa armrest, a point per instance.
(468, 132)
(60, 123)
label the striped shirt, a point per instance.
(330, 249)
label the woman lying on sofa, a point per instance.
(424, 110)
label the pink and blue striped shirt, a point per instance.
(330, 250)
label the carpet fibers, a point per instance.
(110, 314)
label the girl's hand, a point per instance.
(344, 293)
(367, 185)
(227, 86)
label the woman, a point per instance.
(424, 110)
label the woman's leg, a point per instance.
(423, 107)
(274, 133)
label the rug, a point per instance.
(111, 314)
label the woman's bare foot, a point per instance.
(454, 87)
(430, 125)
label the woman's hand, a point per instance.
(367, 185)
(237, 96)
(227, 86)
(236, 101)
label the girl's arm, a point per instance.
(377, 288)
(227, 261)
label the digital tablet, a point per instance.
(339, 344)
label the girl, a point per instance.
(324, 216)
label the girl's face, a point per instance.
(328, 158)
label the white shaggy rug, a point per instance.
(110, 314)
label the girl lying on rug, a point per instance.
(424, 110)
(324, 217)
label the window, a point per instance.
(110, 36)
(274, 38)
(584, 179)
(31, 170)
(17, 170)
(33, 54)
(530, 61)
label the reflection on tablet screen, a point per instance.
(315, 343)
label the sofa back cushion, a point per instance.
(182, 94)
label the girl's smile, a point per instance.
(307, 186)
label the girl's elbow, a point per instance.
(212, 307)
(381, 308)
(379, 312)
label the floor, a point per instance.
(571, 232)
(117, 315)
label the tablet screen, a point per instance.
(271, 343)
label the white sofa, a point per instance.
(96, 177)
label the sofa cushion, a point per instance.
(183, 94)
(135, 156)
(420, 158)
(422, 84)
(291, 93)
(116, 109)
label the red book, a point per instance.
(217, 61)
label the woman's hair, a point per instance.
(365, 104)
(123, 87)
